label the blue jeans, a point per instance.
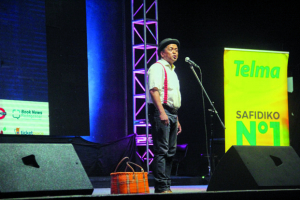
(164, 144)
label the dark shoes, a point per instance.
(166, 191)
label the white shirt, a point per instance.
(156, 77)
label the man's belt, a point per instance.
(173, 111)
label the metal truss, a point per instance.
(144, 53)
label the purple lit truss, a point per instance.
(144, 54)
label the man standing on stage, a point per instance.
(164, 103)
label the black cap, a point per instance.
(166, 42)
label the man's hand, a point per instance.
(178, 127)
(164, 118)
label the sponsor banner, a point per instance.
(24, 117)
(255, 96)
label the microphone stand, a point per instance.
(211, 154)
(212, 111)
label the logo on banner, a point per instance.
(16, 113)
(1, 131)
(32, 114)
(25, 132)
(256, 70)
(17, 131)
(2, 113)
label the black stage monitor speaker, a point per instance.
(28, 170)
(257, 167)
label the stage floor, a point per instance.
(175, 189)
(189, 192)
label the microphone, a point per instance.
(187, 59)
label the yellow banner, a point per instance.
(255, 96)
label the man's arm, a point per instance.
(156, 100)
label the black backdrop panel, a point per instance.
(41, 169)
(67, 67)
(256, 167)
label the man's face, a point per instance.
(170, 53)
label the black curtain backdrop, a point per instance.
(101, 160)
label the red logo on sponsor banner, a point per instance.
(2, 113)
